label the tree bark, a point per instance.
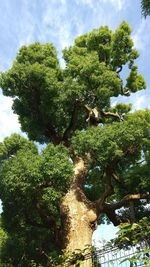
(79, 216)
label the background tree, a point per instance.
(145, 5)
(96, 158)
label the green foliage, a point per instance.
(145, 5)
(112, 140)
(44, 94)
(31, 186)
(117, 143)
(133, 234)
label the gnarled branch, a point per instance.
(111, 114)
(109, 209)
(125, 91)
(72, 124)
(109, 190)
(126, 199)
(51, 134)
(95, 117)
(113, 217)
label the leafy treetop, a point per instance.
(50, 101)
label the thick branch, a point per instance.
(126, 199)
(109, 209)
(72, 124)
(113, 217)
(125, 91)
(100, 202)
(109, 190)
(111, 114)
(51, 134)
(80, 171)
(95, 117)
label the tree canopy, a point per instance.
(70, 110)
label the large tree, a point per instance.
(96, 158)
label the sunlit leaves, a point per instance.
(43, 93)
(111, 142)
(135, 81)
(133, 234)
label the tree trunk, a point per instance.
(79, 217)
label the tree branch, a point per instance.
(73, 121)
(111, 114)
(113, 217)
(109, 190)
(126, 199)
(125, 91)
(95, 117)
(119, 70)
(51, 134)
(80, 172)
(100, 202)
(109, 209)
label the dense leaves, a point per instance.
(133, 234)
(31, 186)
(44, 95)
(122, 148)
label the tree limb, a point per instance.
(109, 190)
(111, 114)
(125, 91)
(80, 172)
(95, 117)
(119, 70)
(113, 217)
(126, 199)
(109, 209)
(73, 121)
(51, 134)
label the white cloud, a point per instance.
(8, 121)
(141, 36)
(117, 4)
(141, 101)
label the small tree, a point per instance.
(97, 155)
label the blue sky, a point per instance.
(60, 21)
